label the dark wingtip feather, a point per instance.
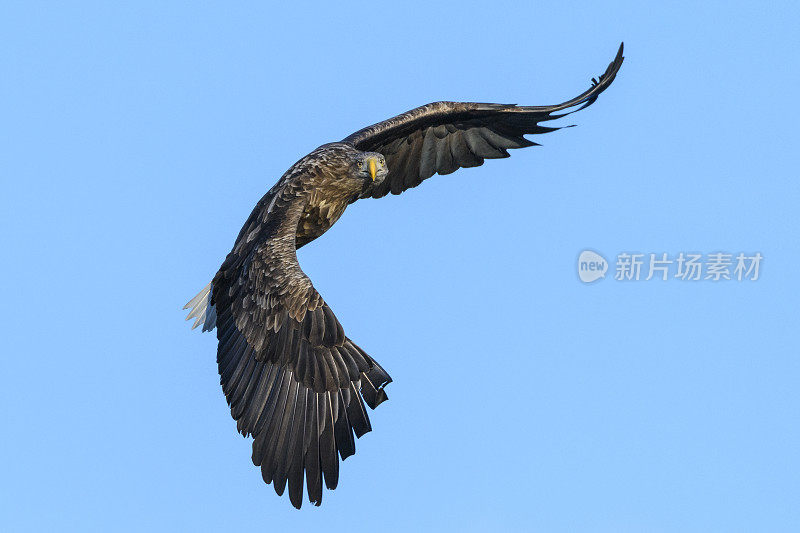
(584, 99)
(373, 383)
(601, 84)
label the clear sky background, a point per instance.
(135, 140)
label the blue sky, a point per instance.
(136, 139)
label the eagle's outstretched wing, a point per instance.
(291, 376)
(444, 136)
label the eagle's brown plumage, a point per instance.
(293, 379)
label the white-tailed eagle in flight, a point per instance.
(292, 377)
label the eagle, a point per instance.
(292, 377)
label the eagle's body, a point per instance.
(316, 181)
(292, 377)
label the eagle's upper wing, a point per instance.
(444, 136)
(291, 376)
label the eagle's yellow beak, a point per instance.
(373, 170)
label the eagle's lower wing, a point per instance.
(444, 136)
(291, 376)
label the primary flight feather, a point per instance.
(292, 377)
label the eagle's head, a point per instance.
(370, 167)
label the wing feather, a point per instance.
(442, 137)
(290, 374)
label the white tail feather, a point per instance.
(202, 311)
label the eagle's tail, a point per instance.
(202, 310)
